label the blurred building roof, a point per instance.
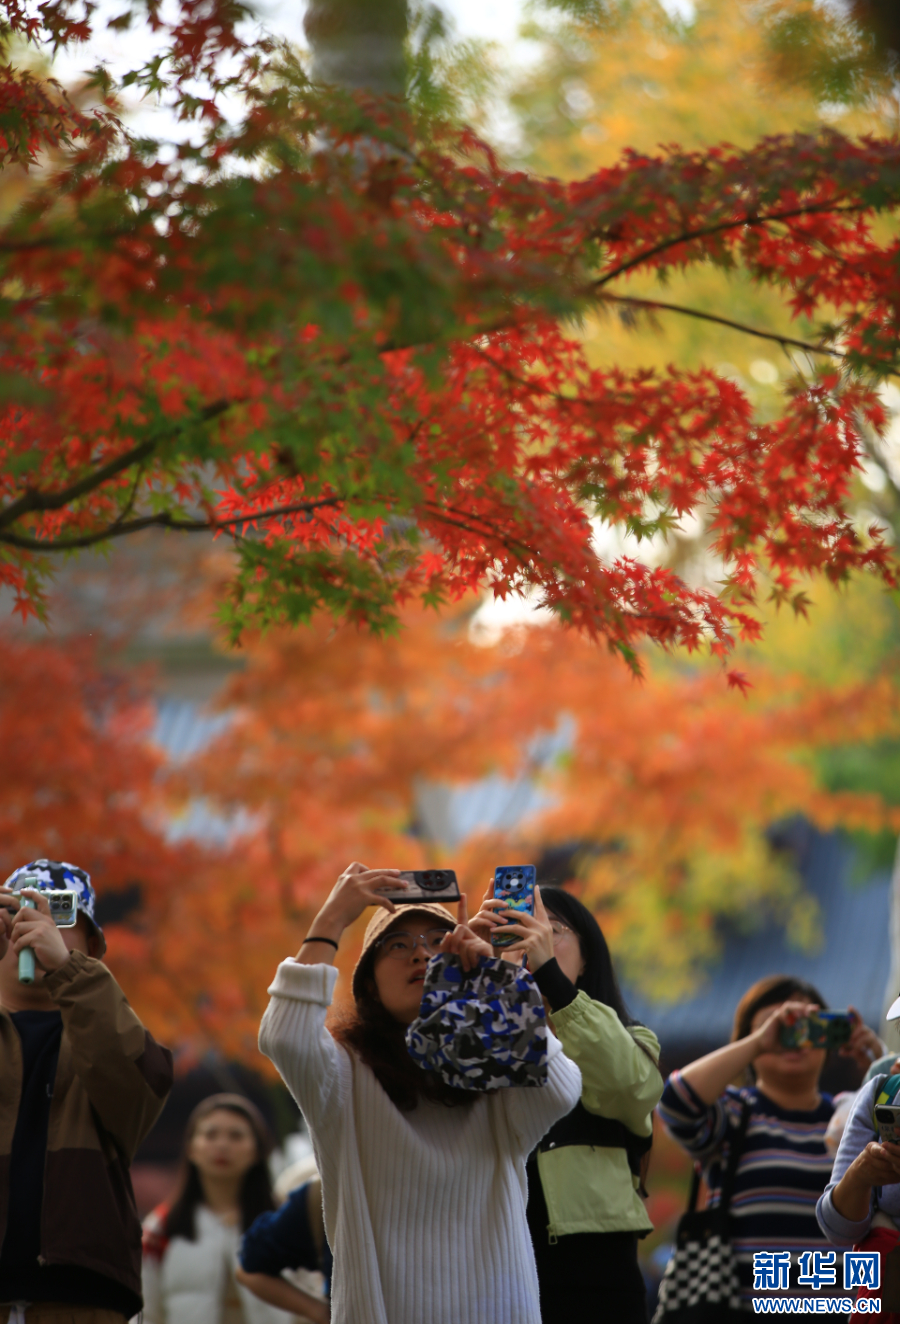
(851, 967)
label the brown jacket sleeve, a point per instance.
(126, 1074)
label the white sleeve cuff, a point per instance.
(304, 983)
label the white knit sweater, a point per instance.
(425, 1211)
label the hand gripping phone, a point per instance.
(887, 1119)
(514, 884)
(823, 1029)
(64, 910)
(424, 885)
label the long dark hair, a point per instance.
(380, 1041)
(256, 1188)
(598, 980)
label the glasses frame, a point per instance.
(418, 940)
(565, 929)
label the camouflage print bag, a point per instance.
(482, 1030)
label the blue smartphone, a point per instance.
(514, 884)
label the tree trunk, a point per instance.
(359, 44)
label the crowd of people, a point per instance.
(453, 1196)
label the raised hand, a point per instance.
(36, 929)
(767, 1038)
(357, 888)
(864, 1044)
(464, 942)
(9, 904)
(534, 933)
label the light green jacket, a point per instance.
(590, 1188)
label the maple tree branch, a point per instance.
(162, 521)
(725, 321)
(462, 521)
(776, 336)
(705, 231)
(35, 500)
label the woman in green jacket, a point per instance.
(584, 1210)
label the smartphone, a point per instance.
(887, 1119)
(514, 884)
(425, 885)
(823, 1029)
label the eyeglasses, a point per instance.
(559, 930)
(401, 945)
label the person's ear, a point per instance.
(94, 945)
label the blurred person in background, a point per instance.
(784, 1163)
(860, 1207)
(191, 1243)
(82, 1084)
(286, 1250)
(424, 1183)
(584, 1178)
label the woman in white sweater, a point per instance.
(423, 1185)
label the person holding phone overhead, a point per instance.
(423, 1183)
(584, 1177)
(784, 1164)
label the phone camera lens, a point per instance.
(434, 880)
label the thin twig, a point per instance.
(687, 236)
(776, 336)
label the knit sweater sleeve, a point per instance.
(699, 1127)
(294, 1037)
(858, 1132)
(531, 1112)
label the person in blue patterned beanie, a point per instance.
(83, 1083)
(56, 875)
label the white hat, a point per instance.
(893, 1011)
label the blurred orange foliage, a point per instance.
(668, 784)
(665, 785)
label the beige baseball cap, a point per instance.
(383, 919)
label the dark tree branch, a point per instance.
(35, 500)
(687, 236)
(163, 521)
(775, 336)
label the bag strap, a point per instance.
(735, 1149)
(695, 1189)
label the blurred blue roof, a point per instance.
(851, 966)
(183, 727)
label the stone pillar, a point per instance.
(359, 44)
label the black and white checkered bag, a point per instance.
(701, 1285)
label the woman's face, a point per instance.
(566, 948)
(791, 1070)
(223, 1145)
(400, 973)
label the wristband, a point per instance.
(331, 942)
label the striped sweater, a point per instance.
(782, 1171)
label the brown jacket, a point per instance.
(111, 1083)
